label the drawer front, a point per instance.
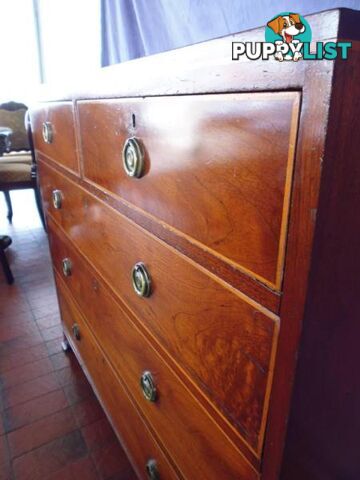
(224, 342)
(217, 168)
(176, 417)
(134, 434)
(54, 133)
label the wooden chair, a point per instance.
(17, 165)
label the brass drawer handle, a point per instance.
(133, 158)
(141, 280)
(66, 267)
(76, 331)
(57, 199)
(148, 386)
(151, 470)
(47, 132)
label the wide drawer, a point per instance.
(133, 433)
(194, 441)
(217, 168)
(224, 341)
(54, 133)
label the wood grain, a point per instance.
(324, 423)
(238, 279)
(223, 341)
(63, 148)
(303, 215)
(216, 168)
(319, 289)
(176, 415)
(133, 433)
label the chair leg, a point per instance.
(39, 206)
(6, 268)
(9, 205)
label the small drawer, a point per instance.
(192, 438)
(54, 133)
(224, 341)
(217, 168)
(137, 440)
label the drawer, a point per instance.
(224, 341)
(176, 417)
(133, 433)
(57, 120)
(217, 168)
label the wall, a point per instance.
(19, 56)
(70, 38)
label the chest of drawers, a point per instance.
(201, 220)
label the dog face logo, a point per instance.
(288, 26)
(285, 28)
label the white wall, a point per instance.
(19, 72)
(70, 34)
(70, 37)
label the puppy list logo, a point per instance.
(288, 37)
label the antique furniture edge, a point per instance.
(319, 438)
(205, 67)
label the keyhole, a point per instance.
(133, 120)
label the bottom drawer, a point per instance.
(147, 458)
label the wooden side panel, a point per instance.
(307, 179)
(218, 168)
(324, 425)
(131, 430)
(62, 149)
(223, 341)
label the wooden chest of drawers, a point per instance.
(201, 219)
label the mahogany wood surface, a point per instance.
(313, 314)
(307, 177)
(63, 148)
(176, 417)
(224, 341)
(250, 286)
(130, 428)
(324, 424)
(217, 168)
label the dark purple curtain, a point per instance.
(134, 28)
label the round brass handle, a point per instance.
(141, 280)
(66, 267)
(57, 199)
(76, 331)
(151, 470)
(47, 132)
(148, 386)
(133, 158)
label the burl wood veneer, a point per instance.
(203, 224)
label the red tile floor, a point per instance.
(51, 424)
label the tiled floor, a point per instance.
(51, 425)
